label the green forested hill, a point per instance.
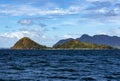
(76, 44)
(27, 43)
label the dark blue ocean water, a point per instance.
(59, 65)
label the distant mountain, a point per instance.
(113, 41)
(63, 41)
(75, 44)
(27, 43)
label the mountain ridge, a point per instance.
(96, 40)
(75, 44)
(113, 41)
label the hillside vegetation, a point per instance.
(27, 43)
(77, 44)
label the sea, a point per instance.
(59, 65)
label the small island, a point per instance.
(27, 43)
(75, 44)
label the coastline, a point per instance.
(62, 49)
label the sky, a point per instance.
(48, 21)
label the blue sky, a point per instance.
(48, 21)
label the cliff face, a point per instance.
(27, 43)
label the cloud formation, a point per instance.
(105, 8)
(33, 21)
(18, 10)
(26, 22)
(54, 19)
(38, 33)
(96, 7)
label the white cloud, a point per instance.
(117, 10)
(25, 22)
(67, 36)
(18, 10)
(18, 34)
(8, 39)
(100, 0)
(102, 33)
(102, 10)
(32, 33)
